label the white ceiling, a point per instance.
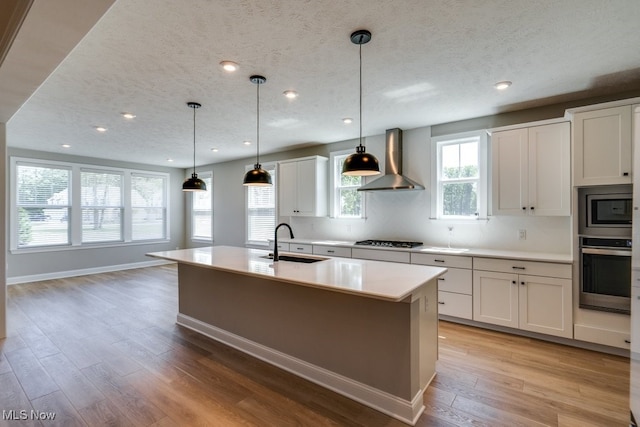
(429, 62)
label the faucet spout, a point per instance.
(275, 239)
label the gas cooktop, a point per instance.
(389, 243)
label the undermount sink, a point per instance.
(294, 258)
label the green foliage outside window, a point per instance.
(460, 198)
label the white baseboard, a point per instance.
(400, 409)
(82, 272)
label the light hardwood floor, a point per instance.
(105, 350)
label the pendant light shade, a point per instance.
(257, 176)
(360, 163)
(194, 183)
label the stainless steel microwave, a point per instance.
(606, 211)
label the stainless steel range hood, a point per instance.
(392, 178)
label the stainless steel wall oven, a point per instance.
(604, 215)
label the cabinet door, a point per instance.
(509, 172)
(602, 145)
(287, 188)
(306, 192)
(549, 189)
(545, 305)
(495, 298)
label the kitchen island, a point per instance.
(365, 329)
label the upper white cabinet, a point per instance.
(302, 187)
(531, 171)
(602, 146)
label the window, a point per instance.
(202, 210)
(59, 204)
(261, 209)
(348, 202)
(460, 176)
(148, 206)
(42, 205)
(102, 206)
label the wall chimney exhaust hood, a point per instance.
(392, 178)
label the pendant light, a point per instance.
(194, 183)
(360, 163)
(257, 176)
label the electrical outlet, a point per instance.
(522, 234)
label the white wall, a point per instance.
(3, 241)
(399, 215)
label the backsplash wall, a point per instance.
(404, 215)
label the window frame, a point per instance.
(120, 206)
(437, 204)
(268, 166)
(334, 182)
(75, 205)
(206, 175)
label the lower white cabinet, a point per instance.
(381, 255)
(537, 302)
(302, 248)
(339, 251)
(455, 286)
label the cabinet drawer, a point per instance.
(533, 268)
(381, 255)
(282, 246)
(301, 248)
(457, 305)
(332, 251)
(442, 260)
(456, 280)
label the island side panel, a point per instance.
(375, 342)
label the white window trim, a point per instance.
(256, 243)
(483, 166)
(333, 200)
(75, 226)
(202, 175)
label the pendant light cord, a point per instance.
(360, 120)
(258, 125)
(194, 141)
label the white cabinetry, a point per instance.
(381, 255)
(531, 296)
(301, 248)
(302, 187)
(531, 170)
(339, 251)
(455, 286)
(602, 146)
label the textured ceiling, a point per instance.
(429, 62)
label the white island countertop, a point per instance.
(375, 279)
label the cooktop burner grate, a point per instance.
(389, 243)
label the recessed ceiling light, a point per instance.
(229, 66)
(247, 143)
(502, 85)
(291, 94)
(169, 160)
(66, 146)
(101, 129)
(347, 120)
(215, 150)
(128, 116)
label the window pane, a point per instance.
(101, 224)
(201, 212)
(261, 210)
(460, 198)
(42, 194)
(460, 160)
(101, 200)
(350, 203)
(148, 203)
(41, 227)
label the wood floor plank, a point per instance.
(124, 362)
(55, 410)
(13, 401)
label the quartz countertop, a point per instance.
(477, 252)
(375, 279)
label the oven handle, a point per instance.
(595, 251)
